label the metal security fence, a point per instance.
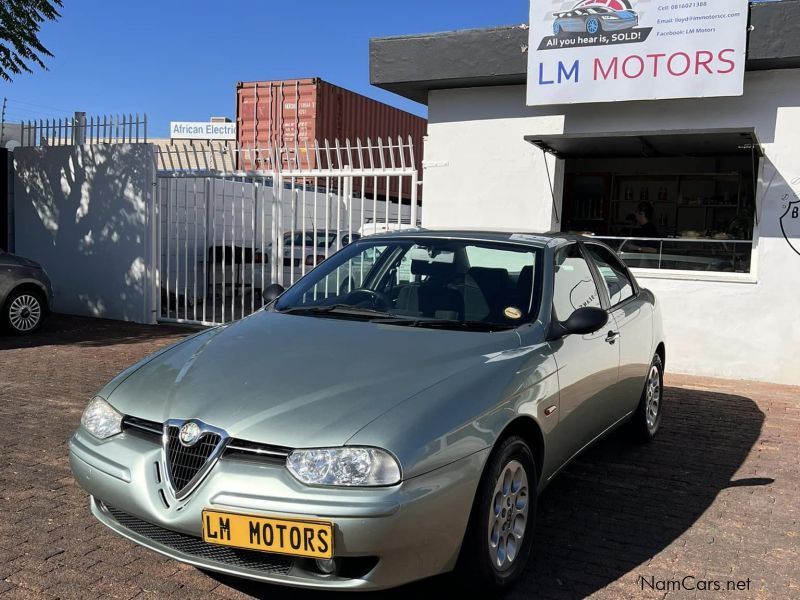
(224, 236)
(80, 129)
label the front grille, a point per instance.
(235, 449)
(247, 450)
(264, 562)
(148, 428)
(185, 462)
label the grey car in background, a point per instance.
(392, 416)
(26, 295)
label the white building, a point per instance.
(721, 174)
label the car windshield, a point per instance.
(423, 282)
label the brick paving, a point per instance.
(714, 499)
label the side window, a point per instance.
(574, 285)
(619, 286)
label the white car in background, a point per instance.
(303, 250)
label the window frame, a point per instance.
(601, 294)
(599, 279)
(536, 299)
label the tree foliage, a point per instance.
(20, 47)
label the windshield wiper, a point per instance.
(343, 309)
(445, 324)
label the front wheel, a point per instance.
(592, 25)
(647, 418)
(499, 538)
(24, 312)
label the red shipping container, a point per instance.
(297, 112)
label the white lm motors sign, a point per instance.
(201, 130)
(613, 50)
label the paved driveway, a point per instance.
(712, 503)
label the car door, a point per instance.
(588, 365)
(632, 313)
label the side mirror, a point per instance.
(584, 320)
(272, 292)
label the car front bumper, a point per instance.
(402, 533)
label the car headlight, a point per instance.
(100, 419)
(344, 466)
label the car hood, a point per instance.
(298, 381)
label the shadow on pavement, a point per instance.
(618, 504)
(62, 330)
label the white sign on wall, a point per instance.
(201, 130)
(611, 50)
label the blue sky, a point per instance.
(180, 60)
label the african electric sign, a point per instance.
(612, 50)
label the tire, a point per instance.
(557, 30)
(593, 26)
(646, 421)
(24, 312)
(485, 562)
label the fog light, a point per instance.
(326, 565)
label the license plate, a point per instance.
(312, 539)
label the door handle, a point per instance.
(612, 336)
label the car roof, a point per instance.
(528, 238)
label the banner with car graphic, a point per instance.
(615, 50)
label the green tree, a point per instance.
(20, 21)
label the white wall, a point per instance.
(82, 212)
(480, 173)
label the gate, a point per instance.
(225, 235)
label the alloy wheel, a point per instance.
(24, 312)
(653, 397)
(508, 515)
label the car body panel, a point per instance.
(633, 322)
(16, 271)
(588, 376)
(504, 386)
(438, 400)
(304, 391)
(366, 521)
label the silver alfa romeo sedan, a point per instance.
(392, 416)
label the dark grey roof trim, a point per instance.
(650, 144)
(413, 65)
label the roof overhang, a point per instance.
(413, 65)
(651, 144)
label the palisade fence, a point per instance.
(229, 220)
(79, 129)
(224, 236)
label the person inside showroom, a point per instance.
(646, 229)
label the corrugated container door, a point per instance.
(299, 111)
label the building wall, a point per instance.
(480, 173)
(195, 155)
(84, 213)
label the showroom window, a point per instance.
(672, 202)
